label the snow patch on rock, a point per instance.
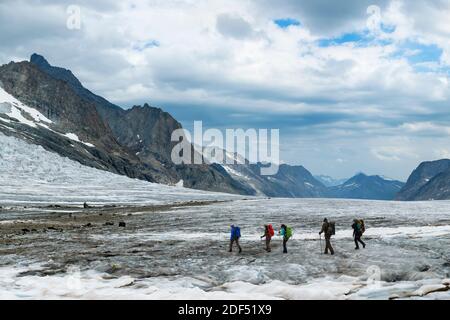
(74, 137)
(15, 109)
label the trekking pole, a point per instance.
(320, 239)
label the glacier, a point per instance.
(180, 252)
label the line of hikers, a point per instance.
(328, 229)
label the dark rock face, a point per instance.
(70, 114)
(56, 100)
(144, 130)
(437, 189)
(366, 187)
(295, 181)
(55, 72)
(431, 180)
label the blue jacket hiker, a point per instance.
(235, 235)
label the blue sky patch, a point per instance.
(345, 38)
(361, 38)
(419, 54)
(387, 28)
(287, 22)
(146, 45)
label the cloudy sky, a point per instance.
(352, 85)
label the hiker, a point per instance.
(286, 233)
(328, 230)
(234, 237)
(268, 234)
(358, 230)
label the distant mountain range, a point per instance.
(362, 186)
(289, 182)
(48, 106)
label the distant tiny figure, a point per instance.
(286, 233)
(234, 237)
(358, 230)
(328, 228)
(268, 234)
(85, 205)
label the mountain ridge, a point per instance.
(430, 180)
(362, 186)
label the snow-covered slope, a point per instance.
(13, 108)
(28, 173)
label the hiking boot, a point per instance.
(364, 246)
(230, 250)
(357, 248)
(240, 250)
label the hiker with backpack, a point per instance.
(286, 233)
(268, 234)
(328, 228)
(358, 231)
(235, 235)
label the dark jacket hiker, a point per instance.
(328, 228)
(358, 230)
(286, 233)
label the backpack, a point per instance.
(331, 228)
(271, 231)
(288, 232)
(237, 232)
(361, 227)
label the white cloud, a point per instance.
(442, 153)
(426, 127)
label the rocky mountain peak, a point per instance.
(39, 60)
(55, 72)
